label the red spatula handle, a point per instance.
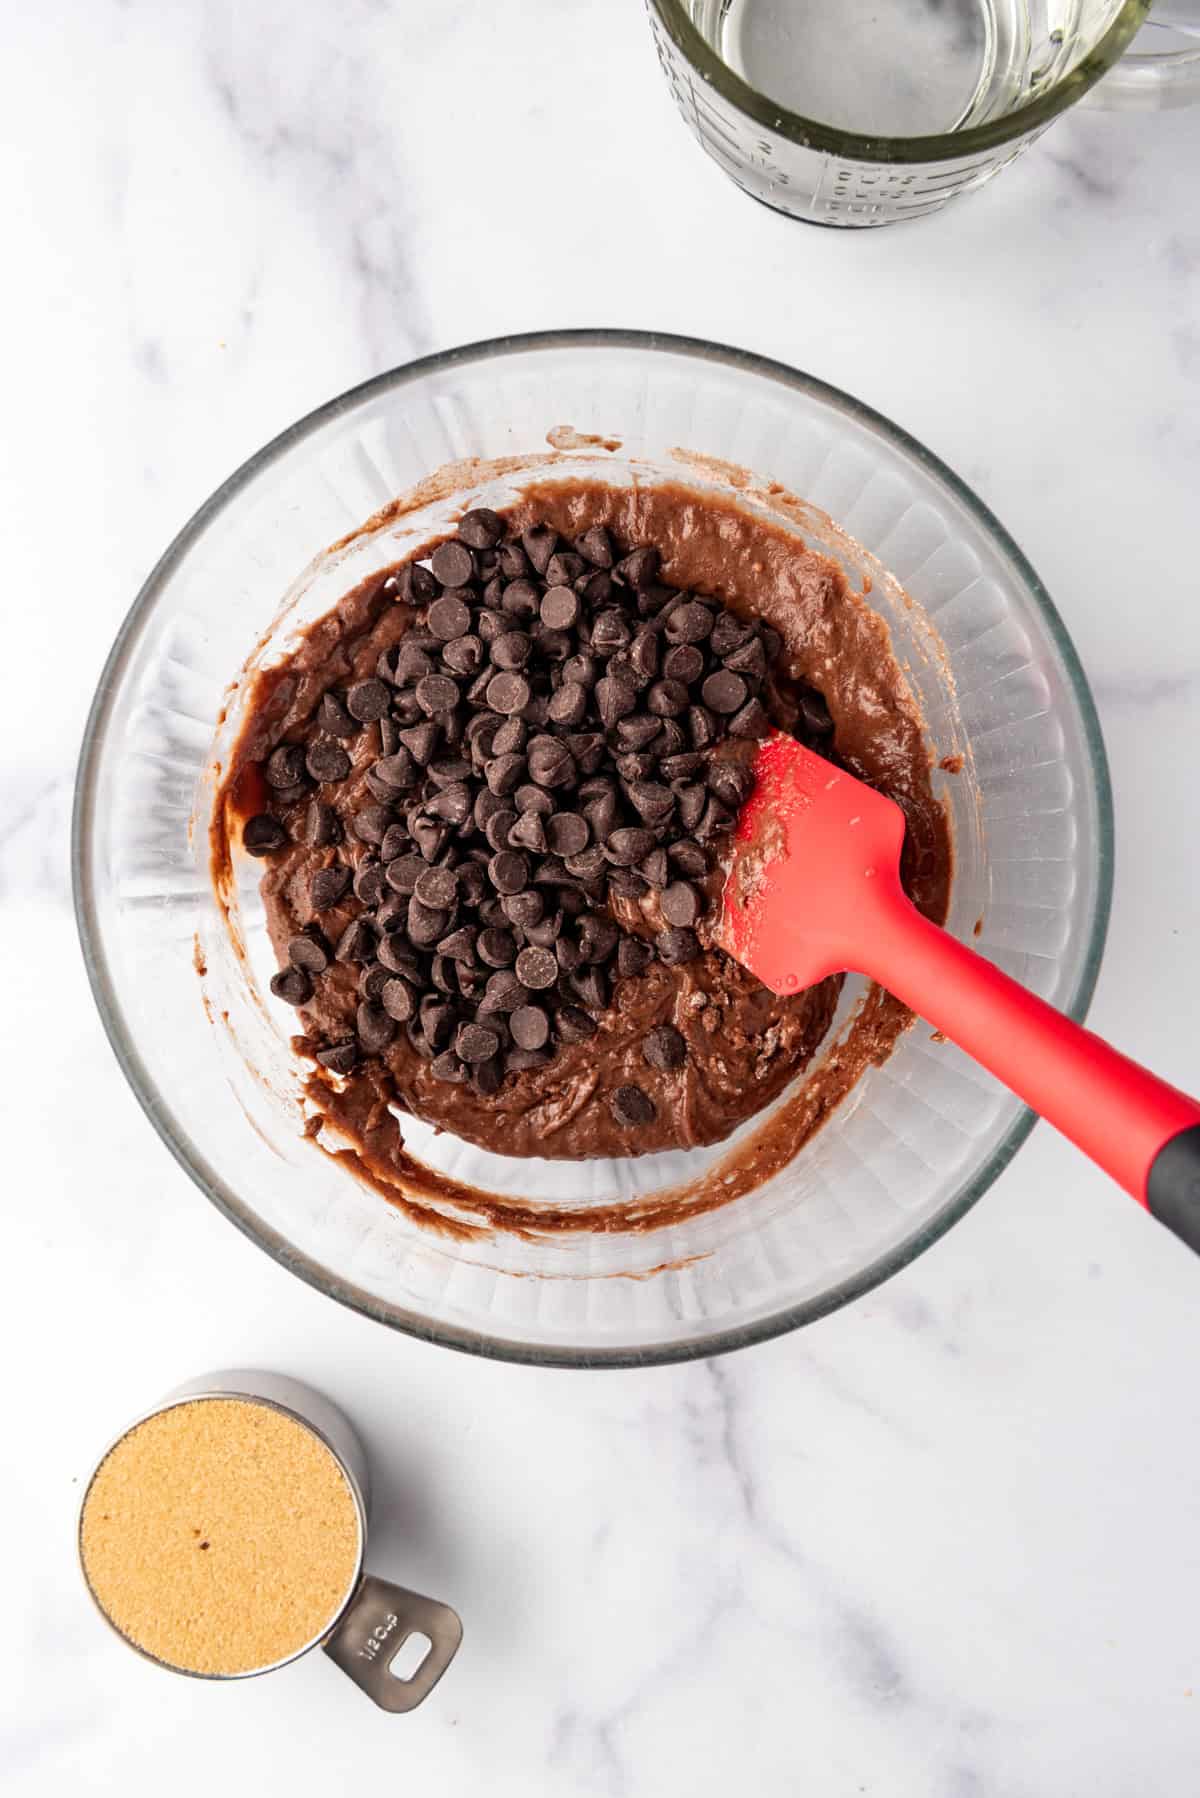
(1143, 1132)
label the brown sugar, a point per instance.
(220, 1536)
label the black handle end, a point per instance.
(1173, 1186)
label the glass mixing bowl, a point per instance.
(917, 1140)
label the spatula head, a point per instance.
(814, 854)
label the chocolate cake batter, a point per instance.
(742, 1044)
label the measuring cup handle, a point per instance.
(1149, 79)
(375, 1625)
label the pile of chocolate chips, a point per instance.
(545, 738)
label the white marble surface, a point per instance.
(942, 1545)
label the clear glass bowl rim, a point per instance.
(947, 146)
(146, 1089)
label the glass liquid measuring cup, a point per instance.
(864, 112)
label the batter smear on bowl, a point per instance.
(491, 792)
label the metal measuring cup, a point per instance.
(377, 1617)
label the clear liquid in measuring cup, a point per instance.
(898, 68)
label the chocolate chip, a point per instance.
(426, 923)
(692, 801)
(263, 834)
(310, 951)
(724, 692)
(508, 871)
(683, 663)
(403, 874)
(559, 609)
(393, 950)
(731, 782)
(368, 700)
(437, 887)
(453, 565)
(339, 1058)
(596, 547)
(453, 804)
(681, 903)
(368, 881)
(508, 693)
(399, 1000)
(519, 1061)
(551, 763)
(528, 833)
(498, 826)
(327, 762)
(574, 1025)
(564, 567)
(437, 1021)
(530, 1027)
(285, 766)
(503, 773)
(567, 833)
(664, 1049)
(356, 943)
(588, 749)
(421, 741)
(615, 699)
(667, 698)
(292, 985)
(636, 732)
(436, 694)
(414, 584)
(371, 981)
(523, 909)
(689, 623)
(640, 569)
(681, 767)
(702, 727)
(631, 1107)
(610, 632)
(633, 956)
(539, 543)
(597, 937)
(481, 528)
(393, 774)
(651, 801)
(475, 1042)
(375, 1028)
(626, 847)
(588, 864)
(510, 650)
(536, 969)
(750, 659)
(569, 704)
(372, 822)
(689, 858)
(486, 1077)
(496, 948)
(814, 719)
(327, 886)
(751, 721)
(448, 1068)
(591, 984)
(322, 826)
(464, 655)
(602, 814)
(334, 718)
(653, 868)
(529, 798)
(504, 993)
(716, 818)
(510, 736)
(677, 946)
(449, 617)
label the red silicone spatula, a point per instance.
(814, 889)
